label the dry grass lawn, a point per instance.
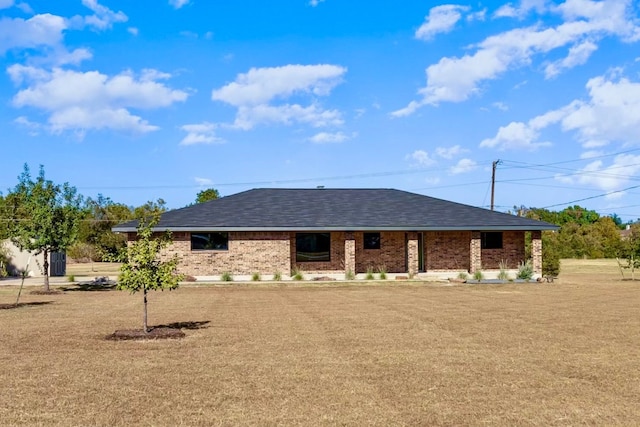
(566, 353)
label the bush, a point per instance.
(277, 276)
(349, 275)
(478, 275)
(226, 277)
(503, 275)
(256, 277)
(369, 275)
(525, 270)
(296, 273)
(382, 270)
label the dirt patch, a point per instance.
(160, 333)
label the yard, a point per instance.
(388, 353)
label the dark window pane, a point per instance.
(491, 240)
(313, 247)
(209, 241)
(372, 240)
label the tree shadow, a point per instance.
(9, 306)
(185, 325)
(100, 284)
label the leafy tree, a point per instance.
(96, 239)
(206, 195)
(44, 216)
(143, 269)
(150, 209)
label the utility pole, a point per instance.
(493, 180)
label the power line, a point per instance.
(592, 197)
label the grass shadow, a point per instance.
(10, 306)
(98, 285)
(185, 325)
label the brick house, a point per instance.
(333, 231)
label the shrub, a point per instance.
(503, 275)
(382, 270)
(277, 276)
(296, 273)
(525, 270)
(369, 275)
(478, 275)
(349, 275)
(71, 278)
(226, 277)
(463, 275)
(256, 277)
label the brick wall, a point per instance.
(447, 250)
(390, 255)
(512, 251)
(249, 252)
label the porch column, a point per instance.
(349, 252)
(412, 253)
(475, 252)
(536, 251)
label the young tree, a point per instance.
(44, 216)
(206, 195)
(143, 270)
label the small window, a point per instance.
(491, 240)
(313, 247)
(372, 240)
(209, 241)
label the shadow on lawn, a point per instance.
(185, 325)
(98, 285)
(23, 304)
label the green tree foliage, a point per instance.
(143, 269)
(630, 249)
(150, 209)
(44, 217)
(206, 195)
(96, 240)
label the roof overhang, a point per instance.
(293, 229)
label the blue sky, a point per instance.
(148, 99)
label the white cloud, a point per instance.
(177, 4)
(463, 166)
(520, 11)
(33, 128)
(420, 158)
(329, 138)
(133, 31)
(103, 17)
(455, 79)
(201, 133)
(611, 114)
(314, 3)
(441, 19)
(515, 135)
(37, 31)
(254, 93)
(500, 106)
(606, 178)
(577, 55)
(80, 101)
(203, 181)
(450, 152)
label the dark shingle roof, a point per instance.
(335, 209)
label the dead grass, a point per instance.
(402, 354)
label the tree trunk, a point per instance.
(144, 314)
(46, 270)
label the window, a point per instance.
(209, 241)
(491, 240)
(372, 240)
(313, 247)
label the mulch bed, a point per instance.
(9, 306)
(158, 333)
